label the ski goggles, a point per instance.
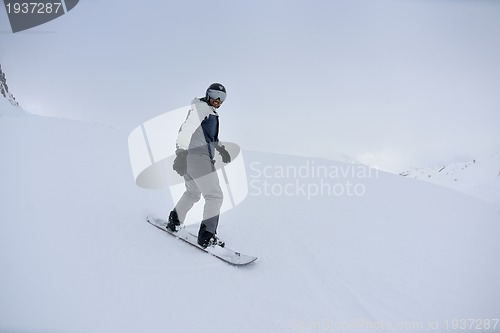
(216, 94)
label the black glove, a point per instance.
(226, 158)
(180, 162)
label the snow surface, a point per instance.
(479, 177)
(76, 254)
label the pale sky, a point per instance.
(391, 83)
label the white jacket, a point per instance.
(200, 131)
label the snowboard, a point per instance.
(223, 253)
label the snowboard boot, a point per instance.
(206, 238)
(173, 222)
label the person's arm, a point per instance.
(187, 129)
(226, 158)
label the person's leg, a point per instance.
(212, 193)
(203, 173)
(189, 198)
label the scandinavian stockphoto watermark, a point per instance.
(26, 14)
(152, 147)
(309, 179)
(447, 325)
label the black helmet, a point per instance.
(216, 90)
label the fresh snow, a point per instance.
(77, 255)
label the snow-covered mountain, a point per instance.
(4, 89)
(341, 247)
(478, 177)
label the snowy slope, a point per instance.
(77, 256)
(7, 109)
(479, 177)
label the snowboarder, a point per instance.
(196, 144)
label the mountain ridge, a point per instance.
(478, 177)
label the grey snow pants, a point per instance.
(201, 179)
